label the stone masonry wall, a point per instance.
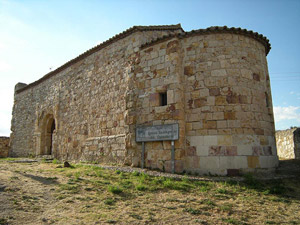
(87, 102)
(228, 105)
(218, 91)
(288, 143)
(217, 87)
(159, 70)
(4, 147)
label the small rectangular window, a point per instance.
(163, 99)
(267, 99)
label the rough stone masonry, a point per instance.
(4, 147)
(213, 83)
(288, 143)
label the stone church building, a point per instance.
(213, 83)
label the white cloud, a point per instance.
(286, 113)
(292, 92)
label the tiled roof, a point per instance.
(101, 46)
(259, 37)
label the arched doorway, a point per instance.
(48, 131)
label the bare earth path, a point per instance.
(42, 193)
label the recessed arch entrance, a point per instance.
(48, 131)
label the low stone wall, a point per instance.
(288, 143)
(4, 147)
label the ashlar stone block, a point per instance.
(233, 162)
(268, 161)
(210, 140)
(225, 140)
(210, 162)
(196, 140)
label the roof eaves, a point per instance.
(259, 37)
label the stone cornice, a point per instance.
(211, 30)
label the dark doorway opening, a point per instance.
(51, 136)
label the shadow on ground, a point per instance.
(43, 180)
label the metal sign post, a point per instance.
(143, 155)
(173, 157)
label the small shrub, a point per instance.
(122, 175)
(136, 216)
(115, 189)
(222, 191)
(231, 182)
(136, 173)
(193, 211)
(270, 222)
(3, 221)
(158, 180)
(44, 160)
(126, 184)
(208, 202)
(177, 185)
(277, 188)
(118, 171)
(250, 180)
(55, 161)
(141, 187)
(109, 201)
(204, 189)
(226, 207)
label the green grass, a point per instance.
(102, 195)
(3, 221)
(109, 201)
(141, 187)
(115, 189)
(231, 221)
(193, 211)
(8, 159)
(71, 188)
(55, 161)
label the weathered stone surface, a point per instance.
(89, 108)
(4, 147)
(288, 143)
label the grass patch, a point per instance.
(115, 189)
(177, 185)
(98, 195)
(109, 201)
(72, 188)
(8, 159)
(136, 216)
(231, 221)
(3, 221)
(227, 207)
(192, 211)
(55, 161)
(141, 187)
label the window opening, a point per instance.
(163, 98)
(267, 99)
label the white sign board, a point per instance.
(167, 132)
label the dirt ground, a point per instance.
(45, 193)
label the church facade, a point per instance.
(212, 83)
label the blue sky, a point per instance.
(36, 35)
